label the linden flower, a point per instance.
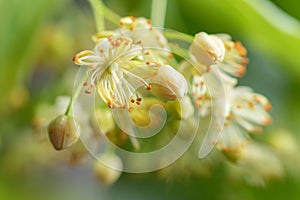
(142, 31)
(249, 109)
(235, 59)
(169, 83)
(246, 111)
(207, 49)
(110, 64)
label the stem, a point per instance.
(101, 12)
(74, 96)
(98, 13)
(158, 12)
(110, 15)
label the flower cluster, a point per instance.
(245, 111)
(118, 66)
(132, 68)
(125, 59)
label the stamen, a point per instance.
(110, 105)
(80, 55)
(240, 48)
(251, 104)
(267, 121)
(170, 56)
(227, 123)
(268, 107)
(200, 97)
(88, 91)
(128, 73)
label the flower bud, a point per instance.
(62, 132)
(169, 84)
(107, 170)
(207, 49)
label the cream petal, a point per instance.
(233, 137)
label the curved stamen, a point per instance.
(138, 78)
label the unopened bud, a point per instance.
(108, 169)
(63, 132)
(169, 84)
(207, 49)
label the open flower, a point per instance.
(246, 111)
(143, 32)
(249, 109)
(110, 64)
(235, 59)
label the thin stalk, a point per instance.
(158, 12)
(101, 12)
(98, 10)
(74, 96)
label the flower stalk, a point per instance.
(158, 12)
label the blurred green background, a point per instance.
(38, 39)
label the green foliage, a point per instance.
(271, 34)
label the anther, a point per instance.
(170, 56)
(251, 104)
(268, 107)
(85, 83)
(148, 87)
(110, 105)
(200, 97)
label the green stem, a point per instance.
(158, 12)
(101, 12)
(111, 16)
(98, 13)
(74, 96)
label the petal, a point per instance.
(233, 137)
